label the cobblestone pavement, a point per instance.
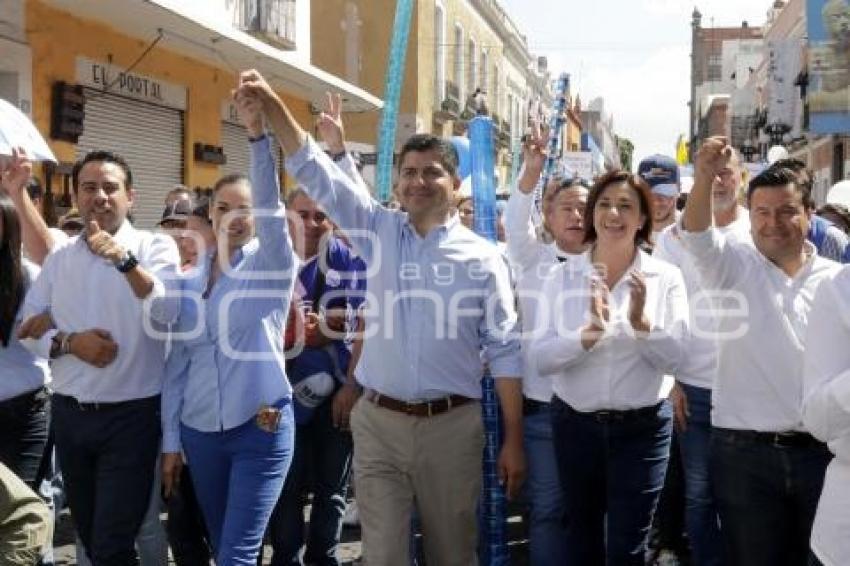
(349, 549)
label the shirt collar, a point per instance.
(442, 230)
(642, 262)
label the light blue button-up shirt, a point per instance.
(433, 304)
(227, 360)
(21, 371)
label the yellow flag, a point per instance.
(682, 151)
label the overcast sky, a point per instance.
(634, 53)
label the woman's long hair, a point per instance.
(12, 276)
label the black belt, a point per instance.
(75, 403)
(785, 439)
(533, 406)
(618, 416)
(36, 395)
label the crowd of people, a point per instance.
(249, 355)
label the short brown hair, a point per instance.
(644, 194)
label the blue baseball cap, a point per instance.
(661, 173)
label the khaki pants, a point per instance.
(26, 524)
(432, 462)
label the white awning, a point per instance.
(222, 45)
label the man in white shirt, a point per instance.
(692, 396)
(532, 261)
(103, 290)
(767, 470)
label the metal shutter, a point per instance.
(234, 141)
(149, 137)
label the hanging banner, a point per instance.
(829, 66)
(783, 66)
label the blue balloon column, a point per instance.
(493, 547)
(392, 93)
(481, 170)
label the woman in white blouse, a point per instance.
(617, 326)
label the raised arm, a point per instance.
(523, 247)
(718, 263)
(35, 235)
(350, 206)
(275, 251)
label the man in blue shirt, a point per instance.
(438, 296)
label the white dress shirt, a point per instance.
(700, 365)
(762, 329)
(620, 371)
(532, 263)
(826, 412)
(83, 291)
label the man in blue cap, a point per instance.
(662, 174)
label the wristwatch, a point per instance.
(127, 263)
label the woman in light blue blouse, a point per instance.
(24, 403)
(226, 398)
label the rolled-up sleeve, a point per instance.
(500, 326)
(826, 392)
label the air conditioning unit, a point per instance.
(272, 21)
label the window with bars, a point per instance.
(458, 49)
(439, 55)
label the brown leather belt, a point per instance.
(424, 409)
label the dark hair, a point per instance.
(230, 179)
(106, 157)
(777, 176)
(428, 142)
(12, 276)
(644, 194)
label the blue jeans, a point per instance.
(767, 496)
(238, 475)
(321, 465)
(547, 533)
(701, 517)
(612, 468)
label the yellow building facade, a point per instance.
(170, 111)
